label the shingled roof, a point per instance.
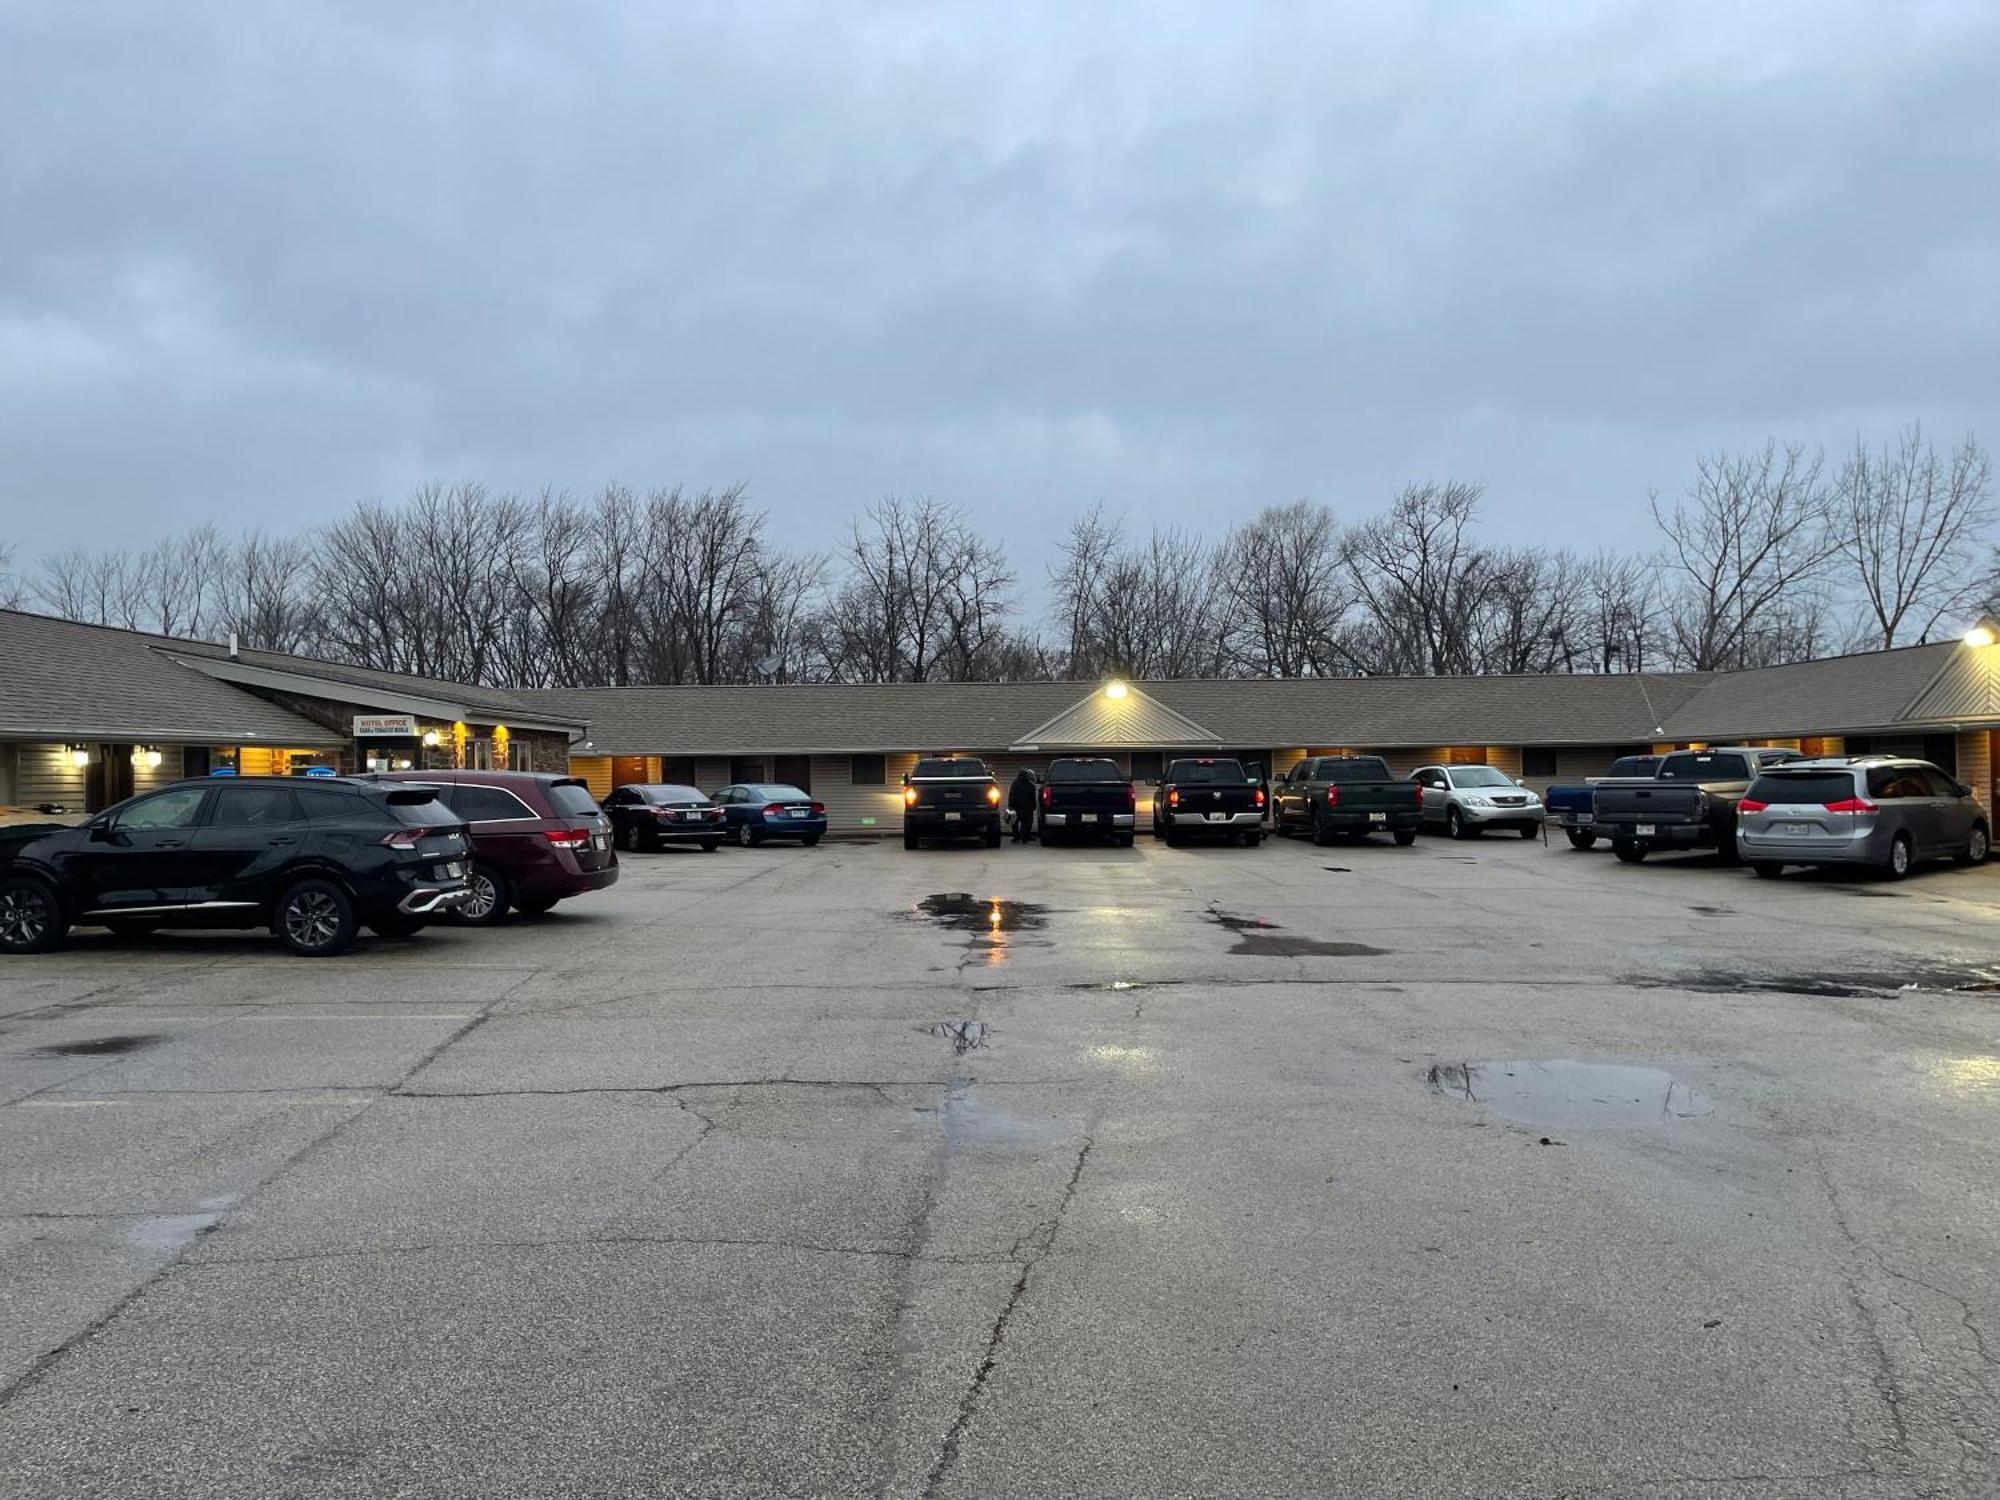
(63, 680)
(1836, 694)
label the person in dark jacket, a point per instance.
(1021, 799)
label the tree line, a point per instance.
(1769, 556)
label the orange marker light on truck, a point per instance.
(909, 796)
(993, 795)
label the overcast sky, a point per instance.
(260, 260)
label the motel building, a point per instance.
(91, 714)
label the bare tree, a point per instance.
(1623, 626)
(1288, 593)
(1913, 527)
(1422, 580)
(1748, 549)
(921, 584)
(1076, 585)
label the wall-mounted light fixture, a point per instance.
(79, 756)
(146, 758)
(1980, 635)
(431, 738)
(1115, 689)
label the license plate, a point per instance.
(1572, 817)
(1644, 830)
(953, 817)
(1796, 830)
(799, 812)
(599, 842)
(452, 871)
(1218, 817)
(1378, 817)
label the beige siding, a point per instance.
(43, 773)
(595, 771)
(6, 773)
(849, 806)
(711, 775)
(1975, 763)
(145, 778)
(1506, 759)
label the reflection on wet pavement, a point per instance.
(961, 911)
(1559, 1093)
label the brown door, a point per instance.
(110, 778)
(794, 770)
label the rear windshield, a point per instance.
(1199, 771)
(1634, 765)
(572, 799)
(1085, 770)
(964, 766)
(778, 791)
(1363, 768)
(673, 794)
(1819, 787)
(1703, 765)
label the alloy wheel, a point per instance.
(1975, 847)
(24, 917)
(482, 898)
(312, 919)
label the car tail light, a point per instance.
(819, 809)
(1173, 796)
(1257, 797)
(1852, 805)
(1048, 796)
(715, 815)
(993, 795)
(1333, 796)
(774, 809)
(909, 796)
(568, 838)
(1751, 805)
(1132, 797)
(407, 838)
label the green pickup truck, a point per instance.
(1352, 796)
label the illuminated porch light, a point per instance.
(1115, 689)
(1980, 635)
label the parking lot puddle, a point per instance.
(1259, 937)
(1562, 1094)
(101, 1046)
(961, 911)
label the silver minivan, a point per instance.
(1883, 811)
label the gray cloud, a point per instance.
(257, 261)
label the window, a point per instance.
(1148, 765)
(1939, 784)
(1802, 788)
(1206, 772)
(482, 756)
(326, 804)
(793, 770)
(1703, 765)
(746, 770)
(868, 770)
(1892, 782)
(520, 756)
(950, 765)
(485, 804)
(1537, 760)
(254, 807)
(175, 809)
(1356, 768)
(572, 799)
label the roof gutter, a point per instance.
(334, 690)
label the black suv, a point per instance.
(311, 859)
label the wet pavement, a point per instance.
(1464, 1169)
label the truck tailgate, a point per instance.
(1648, 802)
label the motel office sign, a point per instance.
(384, 726)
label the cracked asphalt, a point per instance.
(852, 1171)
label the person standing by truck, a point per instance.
(1021, 798)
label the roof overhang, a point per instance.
(334, 690)
(309, 735)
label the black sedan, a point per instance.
(648, 817)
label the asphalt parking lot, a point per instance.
(1468, 1169)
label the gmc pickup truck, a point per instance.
(1088, 795)
(1574, 807)
(950, 797)
(1205, 796)
(1330, 796)
(1689, 803)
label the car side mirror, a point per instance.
(1960, 789)
(100, 833)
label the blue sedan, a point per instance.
(758, 810)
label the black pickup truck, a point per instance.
(1205, 796)
(1329, 796)
(1088, 795)
(1688, 803)
(950, 797)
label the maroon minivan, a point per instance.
(537, 838)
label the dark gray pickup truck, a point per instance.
(951, 797)
(1688, 803)
(1208, 796)
(1086, 795)
(1331, 795)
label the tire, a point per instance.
(992, 839)
(541, 906)
(315, 919)
(621, 836)
(1766, 869)
(1628, 852)
(31, 917)
(1902, 855)
(490, 898)
(812, 839)
(1124, 841)
(1579, 839)
(398, 926)
(909, 838)
(1252, 838)
(709, 846)
(1454, 823)
(1529, 830)
(1322, 835)
(747, 837)
(1406, 836)
(132, 927)
(1174, 840)
(646, 840)
(1978, 844)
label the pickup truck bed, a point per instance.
(1087, 796)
